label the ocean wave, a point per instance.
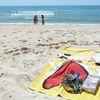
(29, 13)
(28, 18)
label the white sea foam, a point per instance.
(28, 18)
(29, 13)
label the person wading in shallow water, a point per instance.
(35, 19)
(42, 19)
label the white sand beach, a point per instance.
(26, 48)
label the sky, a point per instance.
(49, 2)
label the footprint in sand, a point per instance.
(1, 74)
(17, 51)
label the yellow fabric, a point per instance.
(58, 90)
(37, 84)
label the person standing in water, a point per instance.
(42, 19)
(35, 19)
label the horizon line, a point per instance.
(50, 5)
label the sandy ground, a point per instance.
(25, 49)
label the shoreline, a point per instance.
(50, 24)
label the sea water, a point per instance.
(53, 14)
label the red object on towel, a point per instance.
(56, 78)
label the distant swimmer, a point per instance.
(16, 11)
(35, 19)
(42, 19)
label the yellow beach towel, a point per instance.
(86, 55)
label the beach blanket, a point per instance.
(86, 56)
